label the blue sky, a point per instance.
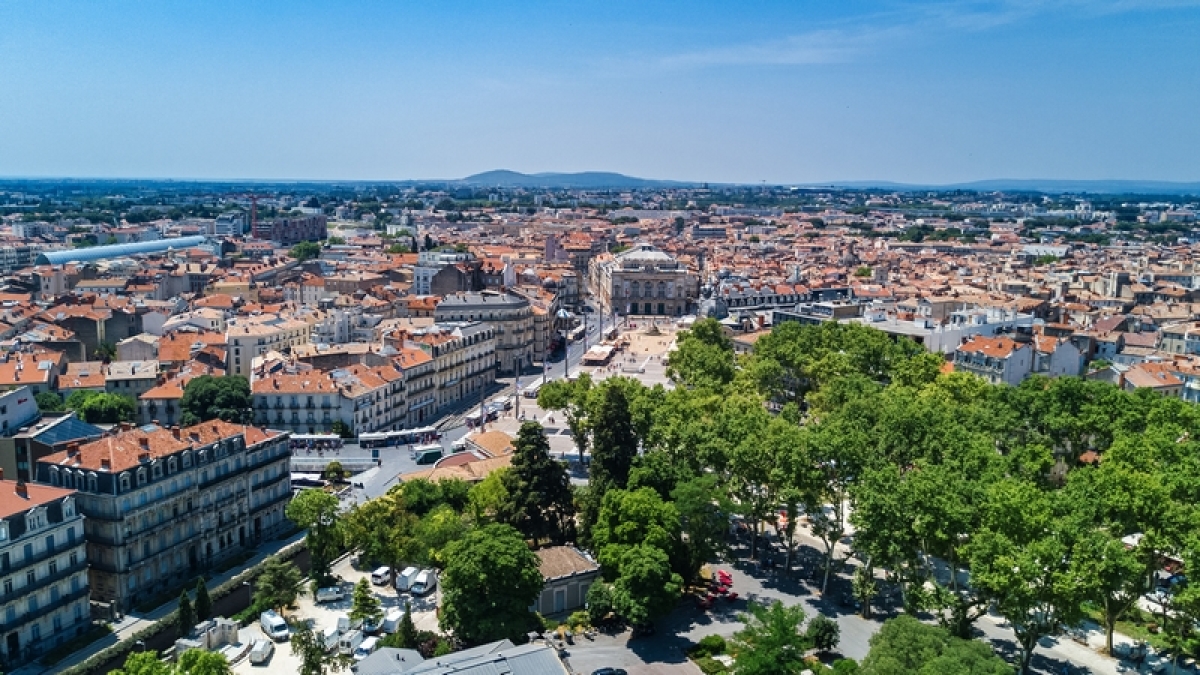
(790, 91)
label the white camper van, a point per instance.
(425, 582)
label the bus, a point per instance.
(532, 390)
(387, 439)
(315, 441)
(577, 333)
(427, 454)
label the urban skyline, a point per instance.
(925, 93)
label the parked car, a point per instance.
(382, 576)
(261, 651)
(331, 594)
(273, 625)
(371, 626)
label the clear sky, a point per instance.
(723, 91)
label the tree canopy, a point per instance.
(489, 581)
(208, 397)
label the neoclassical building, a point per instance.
(643, 281)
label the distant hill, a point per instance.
(586, 179)
(1034, 185)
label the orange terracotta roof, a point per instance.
(121, 451)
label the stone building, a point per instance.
(161, 504)
(643, 281)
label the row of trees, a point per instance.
(936, 472)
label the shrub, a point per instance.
(845, 667)
(711, 666)
(580, 619)
(709, 645)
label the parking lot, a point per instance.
(324, 615)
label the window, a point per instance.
(124, 482)
(172, 465)
(31, 579)
(141, 477)
(8, 587)
(156, 470)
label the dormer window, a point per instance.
(92, 482)
(68, 508)
(125, 482)
(54, 478)
(187, 460)
(156, 470)
(141, 477)
(172, 465)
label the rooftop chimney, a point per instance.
(175, 431)
(106, 464)
(73, 449)
(22, 490)
(1, 473)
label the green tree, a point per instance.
(318, 512)
(614, 445)
(208, 397)
(629, 519)
(305, 250)
(334, 471)
(278, 585)
(203, 601)
(341, 429)
(906, 646)
(490, 580)
(702, 506)
(1023, 560)
(383, 530)
(647, 588)
(105, 351)
(202, 662)
(187, 615)
(335, 241)
(101, 408)
(407, 629)
(435, 532)
(771, 642)
(48, 401)
(487, 497)
(364, 606)
(306, 644)
(599, 601)
(572, 398)
(823, 633)
(703, 357)
(144, 663)
(540, 505)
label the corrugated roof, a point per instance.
(65, 429)
(116, 250)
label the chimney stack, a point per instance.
(106, 464)
(1, 473)
(73, 449)
(22, 490)
(175, 431)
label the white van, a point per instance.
(261, 651)
(345, 625)
(364, 650)
(273, 625)
(349, 642)
(406, 578)
(425, 582)
(329, 638)
(382, 576)
(391, 620)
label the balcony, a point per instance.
(285, 497)
(38, 613)
(62, 573)
(45, 554)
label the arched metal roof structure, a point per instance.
(93, 253)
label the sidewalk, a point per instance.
(137, 621)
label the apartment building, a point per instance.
(43, 570)
(364, 398)
(511, 316)
(290, 231)
(163, 504)
(999, 360)
(464, 357)
(248, 337)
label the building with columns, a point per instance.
(643, 281)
